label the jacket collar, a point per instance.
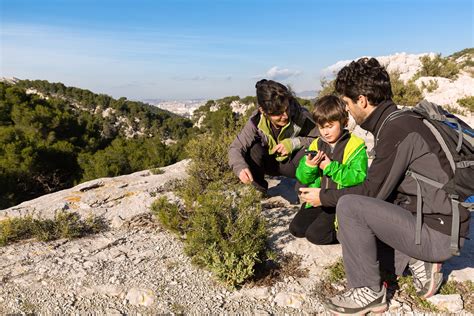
(373, 122)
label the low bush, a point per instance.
(431, 86)
(437, 67)
(172, 216)
(220, 218)
(467, 102)
(405, 93)
(64, 225)
(227, 232)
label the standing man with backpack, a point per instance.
(384, 207)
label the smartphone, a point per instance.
(311, 153)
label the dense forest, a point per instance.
(53, 136)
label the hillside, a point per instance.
(447, 81)
(53, 136)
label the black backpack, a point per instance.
(456, 138)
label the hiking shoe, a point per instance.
(360, 301)
(427, 277)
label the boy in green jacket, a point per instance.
(341, 161)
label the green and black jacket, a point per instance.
(348, 166)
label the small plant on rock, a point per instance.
(64, 225)
(405, 93)
(437, 67)
(467, 102)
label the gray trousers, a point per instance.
(363, 220)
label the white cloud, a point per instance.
(280, 74)
(332, 70)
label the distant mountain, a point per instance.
(308, 94)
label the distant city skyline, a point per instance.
(185, 49)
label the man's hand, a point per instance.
(246, 176)
(280, 150)
(310, 196)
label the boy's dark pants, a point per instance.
(261, 163)
(316, 224)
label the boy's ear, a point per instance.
(345, 123)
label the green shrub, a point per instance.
(170, 215)
(437, 67)
(208, 153)
(221, 218)
(467, 102)
(227, 232)
(467, 62)
(431, 86)
(64, 225)
(15, 229)
(453, 110)
(336, 272)
(156, 171)
(327, 87)
(408, 294)
(405, 93)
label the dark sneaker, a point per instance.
(360, 301)
(427, 277)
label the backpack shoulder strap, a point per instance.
(394, 115)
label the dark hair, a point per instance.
(364, 77)
(330, 108)
(273, 97)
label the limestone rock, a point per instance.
(140, 297)
(285, 299)
(259, 293)
(452, 303)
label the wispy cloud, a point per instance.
(332, 70)
(278, 73)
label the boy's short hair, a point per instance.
(273, 97)
(330, 108)
(364, 77)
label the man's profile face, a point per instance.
(355, 110)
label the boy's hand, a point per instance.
(314, 161)
(324, 161)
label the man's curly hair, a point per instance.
(364, 77)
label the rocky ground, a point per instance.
(138, 268)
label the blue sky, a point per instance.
(177, 49)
